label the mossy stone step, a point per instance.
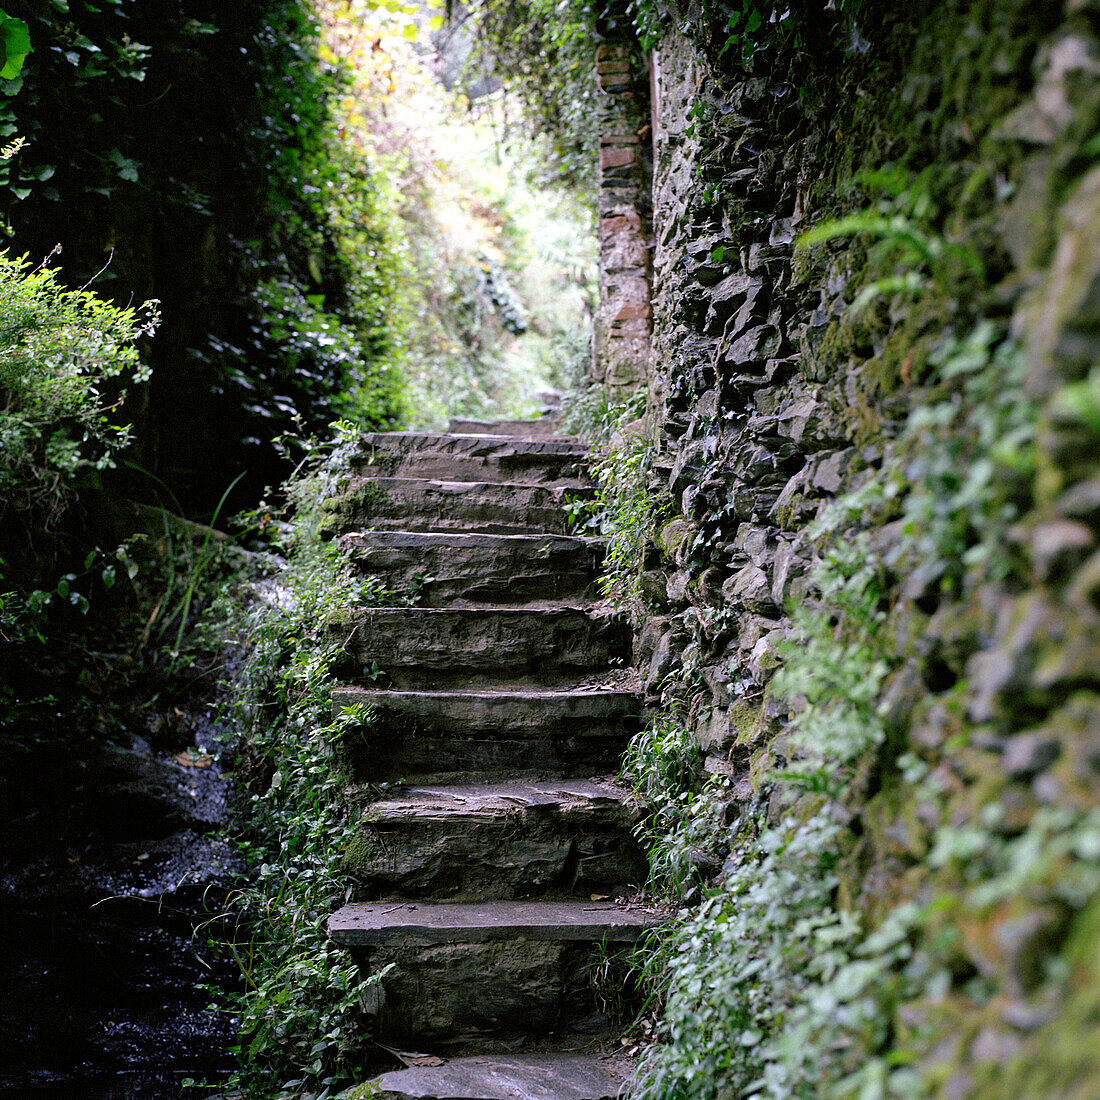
(441, 736)
(445, 457)
(545, 427)
(423, 504)
(436, 647)
(499, 841)
(461, 974)
(444, 567)
(502, 1077)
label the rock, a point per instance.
(1030, 625)
(676, 587)
(672, 538)
(828, 472)
(664, 661)
(749, 588)
(734, 298)
(765, 656)
(1058, 547)
(714, 736)
(418, 504)
(786, 565)
(1062, 63)
(1060, 314)
(756, 345)
(651, 585)
(1082, 502)
(1027, 754)
(717, 679)
(753, 542)
(502, 1077)
(1083, 592)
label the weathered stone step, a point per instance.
(421, 504)
(411, 924)
(498, 458)
(463, 973)
(446, 567)
(503, 1077)
(499, 841)
(436, 736)
(427, 646)
(545, 427)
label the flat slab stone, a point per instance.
(412, 923)
(426, 646)
(424, 504)
(537, 1077)
(587, 797)
(447, 736)
(447, 567)
(471, 458)
(545, 427)
(499, 841)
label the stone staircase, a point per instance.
(493, 850)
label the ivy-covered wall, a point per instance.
(873, 592)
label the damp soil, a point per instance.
(113, 881)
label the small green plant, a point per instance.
(908, 247)
(614, 983)
(584, 514)
(631, 509)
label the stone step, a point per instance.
(545, 427)
(441, 568)
(499, 841)
(497, 458)
(412, 924)
(474, 646)
(504, 1077)
(441, 736)
(461, 974)
(420, 504)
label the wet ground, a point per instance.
(113, 883)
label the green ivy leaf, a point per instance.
(15, 39)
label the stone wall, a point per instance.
(621, 356)
(775, 398)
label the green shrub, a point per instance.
(64, 356)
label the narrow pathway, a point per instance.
(494, 848)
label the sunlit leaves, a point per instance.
(15, 40)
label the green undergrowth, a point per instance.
(66, 361)
(301, 1020)
(627, 507)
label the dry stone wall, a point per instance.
(774, 398)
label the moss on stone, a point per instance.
(1061, 1059)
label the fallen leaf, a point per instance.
(188, 760)
(599, 897)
